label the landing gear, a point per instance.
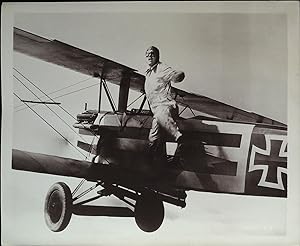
(149, 212)
(148, 208)
(58, 207)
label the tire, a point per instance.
(58, 207)
(149, 212)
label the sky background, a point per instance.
(239, 59)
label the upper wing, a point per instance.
(218, 109)
(85, 62)
(74, 58)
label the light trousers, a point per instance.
(164, 121)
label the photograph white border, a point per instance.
(291, 9)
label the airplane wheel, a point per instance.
(58, 207)
(149, 212)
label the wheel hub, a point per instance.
(55, 207)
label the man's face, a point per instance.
(151, 57)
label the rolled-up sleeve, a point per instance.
(169, 74)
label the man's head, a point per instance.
(152, 55)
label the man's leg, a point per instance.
(157, 145)
(165, 116)
(166, 119)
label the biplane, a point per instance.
(230, 150)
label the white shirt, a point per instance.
(158, 85)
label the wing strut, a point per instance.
(187, 106)
(107, 92)
(100, 93)
(123, 94)
(142, 104)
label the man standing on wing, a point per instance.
(165, 110)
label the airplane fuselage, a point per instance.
(222, 156)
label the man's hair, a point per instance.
(155, 50)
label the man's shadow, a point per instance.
(198, 160)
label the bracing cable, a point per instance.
(135, 100)
(52, 99)
(66, 94)
(53, 92)
(95, 135)
(50, 109)
(50, 125)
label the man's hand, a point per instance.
(178, 77)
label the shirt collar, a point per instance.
(152, 68)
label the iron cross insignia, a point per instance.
(271, 161)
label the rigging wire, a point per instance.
(50, 93)
(50, 125)
(95, 135)
(135, 100)
(83, 180)
(186, 106)
(51, 109)
(109, 96)
(45, 95)
(69, 93)
(52, 99)
(76, 91)
(91, 148)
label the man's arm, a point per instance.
(178, 76)
(172, 75)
